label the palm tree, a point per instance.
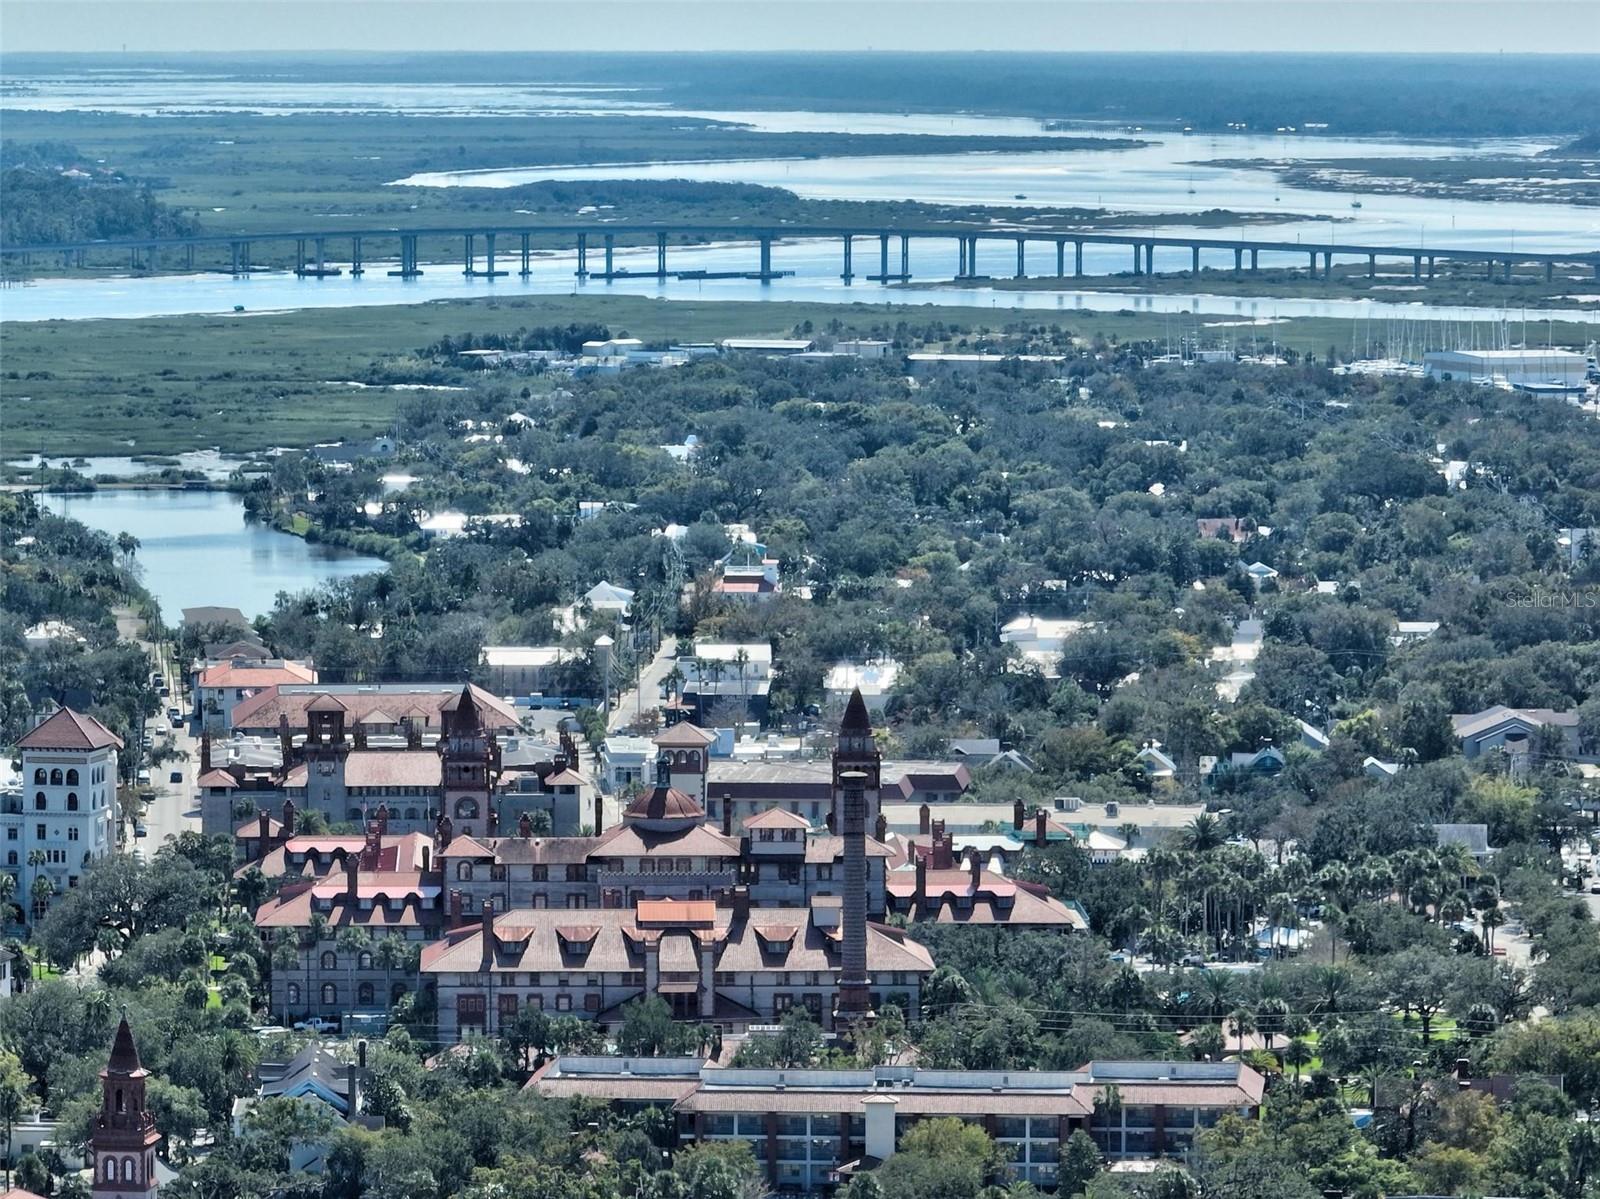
(352, 941)
(8, 891)
(1216, 991)
(285, 957)
(41, 892)
(1491, 919)
(316, 930)
(1203, 834)
(391, 955)
(1297, 1053)
(1244, 1023)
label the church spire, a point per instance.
(123, 1143)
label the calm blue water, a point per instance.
(196, 548)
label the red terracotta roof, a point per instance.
(216, 777)
(69, 730)
(777, 818)
(664, 803)
(684, 735)
(226, 674)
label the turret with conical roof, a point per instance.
(123, 1143)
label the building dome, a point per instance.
(663, 807)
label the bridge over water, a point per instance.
(490, 250)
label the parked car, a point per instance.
(175, 715)
(316, 1024)
(175, 777)
(143, 777)
(139, 829)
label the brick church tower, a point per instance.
(123, 1144)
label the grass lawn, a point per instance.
(249, 383)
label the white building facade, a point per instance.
(67, 809)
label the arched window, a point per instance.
(72, 801)
(694, 759)
(466, 808)
(55, 777)
(464, 872)
(130, 1171)
(11, 857)
(40, 777)
(364, 961)
(108, 1169)
(330, 995)
(330, 960)
(38, 802)
(364, 994)
(118, 1099)
(72, 778)
(411, 814)
(294, 994)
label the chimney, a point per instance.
(455, 907)
(855, 986)
(372, 849)
(525, 826)
(727, 814)
(919, 897)
(360, 736)
(413, 733)
(924, 816)
(977, 873)
(285, 739)
(880, 827)
(487, 961)
(383, 819)
(352, 868)
(427, 854)
(739, 903)
(493, 820)
(1041, 835)
(264, 834)
(599, 812)
(288, 818)
(1019, 816)
(205, 752)
(942, 858)
(352, 1074)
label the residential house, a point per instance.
(874, 680)
(223, 686)
(1512, 730)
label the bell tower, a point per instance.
(856, 768)
(469, 764)
(123, 1143)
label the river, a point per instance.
(1166, 175)
(196, 548)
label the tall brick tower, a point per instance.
(856, 765)
(123, 1143)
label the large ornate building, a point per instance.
(588, 911)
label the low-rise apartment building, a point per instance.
(811, 1127)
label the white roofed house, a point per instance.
(602, 597)
(528, 669)
(875, 680)
(721, 676)
(1040, 640)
